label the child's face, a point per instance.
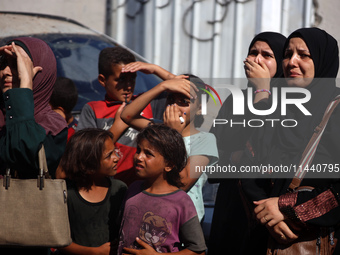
(185, 105)
(149, 164)
(119, 86)
(108, 164)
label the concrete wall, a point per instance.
(155, 31)
(329, 12)
(91, 13)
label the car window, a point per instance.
(77, 59)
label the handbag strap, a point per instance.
(309, 152)
(43, 169)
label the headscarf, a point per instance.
(2, 113)
(323, 48)
(43, 83)
(287, 144)
(230, 139)
(276, 42)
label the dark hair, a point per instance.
(64, 95)
(200, 84)
(169, 143)
(83, 155)
(113, 56)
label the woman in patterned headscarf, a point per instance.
(27, 77)
(26, 119)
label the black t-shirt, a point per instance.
(93, 224)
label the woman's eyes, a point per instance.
(268, 56)
(253, 53)
(301, 55)
(305, 56)
(264, 54)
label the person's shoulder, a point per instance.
(134, 189)
(70, 184)
(95, 103)
(207, 135)
(184, 204)
(117, 183)
(71, 189)
(181, 197)
(136, 185)
(91, 106)
(203, 136)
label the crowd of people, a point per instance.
(131, 180)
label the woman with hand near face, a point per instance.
(310, 53)
(27, 75)
(230, 222)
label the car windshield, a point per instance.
(77, 59)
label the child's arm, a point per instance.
(189, 175)
(148, 250)
(118, 127)
(148, 69)
(76, 249)
(131, 113)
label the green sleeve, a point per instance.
(191, 235)
(23, 137)
(54, 148)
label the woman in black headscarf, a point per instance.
(230, 226)
(309, 53)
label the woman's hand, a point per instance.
(282, 233)
(26, 70)
(6, 49)
(257, 74)
(147, 249)
(171, 118)
(267, 211)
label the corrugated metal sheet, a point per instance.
(208, 38)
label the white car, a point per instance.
(76, 48)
